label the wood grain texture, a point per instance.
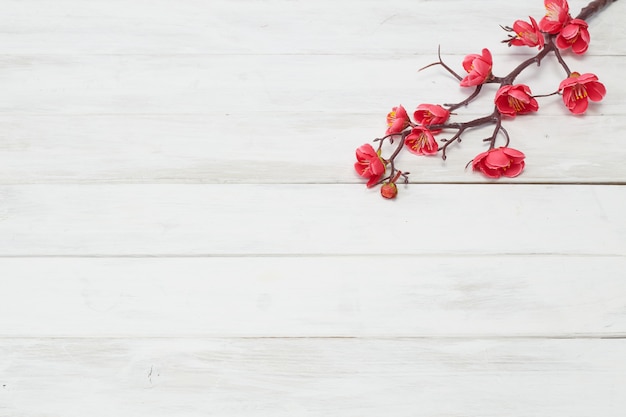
(279, 84)
(275, 26)
(116, 148)
(178, 219)
(357, 296)
(312, 377)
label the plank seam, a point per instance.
(311, 255)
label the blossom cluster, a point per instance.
(555, 33)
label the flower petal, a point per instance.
(570, 31)
(376, 166)
(491, 173)
(362, 169)
(514, 154)
(585, 78)
(468, 61)
(519, 95)
(373, 181)
(497, 159)
(580, 46)
(478, 159)
(487, 56)
(514, 170)
(365, 151)
(580, 106)
(596, 91)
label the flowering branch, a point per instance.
(555, 32)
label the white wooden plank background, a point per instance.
(182, 232)
(448, 296)
(286, 377)
(262, 219)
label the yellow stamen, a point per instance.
(517, 104)
(421, 142)
(552, 13)
(390, 118)
(580, 91)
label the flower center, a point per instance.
(580, 91)
(574, 39)
(517, 104)
(391, 117)
(552, 13)
(421, 142)
(532, 37)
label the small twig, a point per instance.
(546, 95)
(559, 57)
(448, 142)
(395, 154)
(443, 64)
(382, 140)
(453, 107)
(492, 140)
(506, 135)
(462, 127)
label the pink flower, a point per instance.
(389, 190)
(527, 34)
(397, 120)
(498, 162)
(576, 35)
(579, 89)
(430, 114)
(369, 164)
(515, 99)
(478, 68)
(421, 141)
(557, 16)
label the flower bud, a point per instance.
(389, 190)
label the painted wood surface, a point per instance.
(182, 232)
(427, 296)
(304, 220)
(286, 377)
(158, 27)
(96, 149)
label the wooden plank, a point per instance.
(296, 148)
(277, 26)
(330, 377)
(391, 296)
(225, 84)
(229, 219)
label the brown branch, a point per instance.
(440, 62)
(453, 107)
(393, 156)
(559, 57)
(494, 117)
(593, 8)
(510, 78)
